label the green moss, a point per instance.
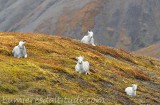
(5, 51)
(8, 88)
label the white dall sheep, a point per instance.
(20, 50)
(82, 66)
(131, 91)
(88, 39)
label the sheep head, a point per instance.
(134, 87)
(22, 43)
(90, 33)
(80, 59)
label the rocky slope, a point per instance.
(126, 24)
(48, 73)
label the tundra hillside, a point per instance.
(49, 72)
(152, 51)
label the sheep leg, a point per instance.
(79, 72)
(25, 56)
(87, 73)
(19, 56)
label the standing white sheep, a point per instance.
(88, 39)
(82, 66)
(131, 91)
(20, 50)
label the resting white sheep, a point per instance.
(88, 39)
(82, 66)
(131, 91)
(20, 50)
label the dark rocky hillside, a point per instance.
(126, 24)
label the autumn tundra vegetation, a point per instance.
(49, 72)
